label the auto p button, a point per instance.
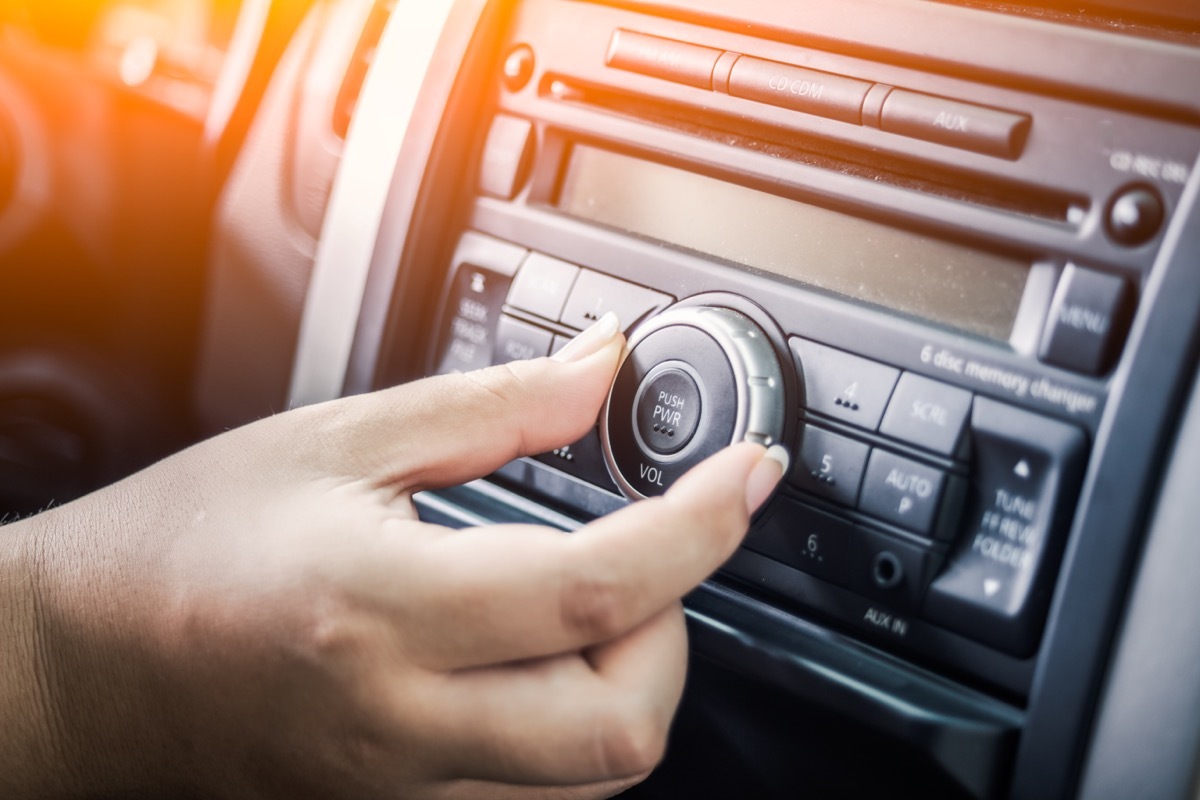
(667, 409)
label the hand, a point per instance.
(264, 615)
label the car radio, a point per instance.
(918, 282)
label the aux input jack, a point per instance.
(887, 570)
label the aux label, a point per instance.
(950, 121)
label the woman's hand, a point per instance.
(264, 615)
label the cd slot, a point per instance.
(760, 130)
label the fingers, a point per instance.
(499, 594)
(453, 428)
(474, 790)
(563, 720)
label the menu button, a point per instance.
(1087, 319)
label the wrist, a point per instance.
(32, 761)
(78, 715)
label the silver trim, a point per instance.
(360, 192)
(757, 378)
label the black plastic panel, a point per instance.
(1107, 112)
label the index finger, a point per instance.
(491, 595)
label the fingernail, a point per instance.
(766, 476)
(591, 340)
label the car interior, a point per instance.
(946, 252)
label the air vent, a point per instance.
(356, 73)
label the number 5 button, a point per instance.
(830, 465)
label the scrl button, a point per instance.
(928, 414)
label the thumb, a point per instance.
(450, 429)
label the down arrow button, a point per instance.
(997, 580)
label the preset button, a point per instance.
(830, 465)
(594, 294)
(847, 387)
(806, 539)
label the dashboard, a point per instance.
(946, 253)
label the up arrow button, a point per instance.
(996, 581)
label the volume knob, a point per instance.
(694, 379)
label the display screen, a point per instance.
(919, 275)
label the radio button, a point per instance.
(675, 61)
(928, 414)
(843, 386)
(542, 285)
(583, 459)
(667, 409)
(902, 492)
(519, 341)
(809, 540)
(472, 313)
(799, 89)
(594, 294)
(996, 583)
(830, 465)
(957, 124)
(1087, 319)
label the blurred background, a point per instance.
(115, 136)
